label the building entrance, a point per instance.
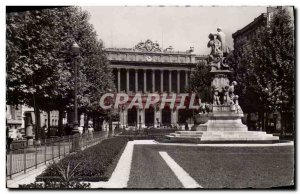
(166, 116)
(132, 117)
(149, 117)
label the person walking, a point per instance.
(90, 131)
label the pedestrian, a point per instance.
(186, 126)
(80, 130)
(90, 131)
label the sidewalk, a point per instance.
(32, 173)
(26, 178)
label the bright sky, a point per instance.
(180, 27)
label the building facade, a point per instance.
(15, 118)
(147, 68)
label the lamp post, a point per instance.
(123, 109)
(119, 117)
(110, 116)
(75, 51)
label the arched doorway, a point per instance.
(166, 116)
(132, 117)
(149, 116)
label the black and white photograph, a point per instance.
(146, 97)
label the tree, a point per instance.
(265, 66)
(40, 70)
(200, 82)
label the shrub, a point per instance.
(55, 185)
(91, 164)
(151, 133)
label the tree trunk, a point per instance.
(94, 124)
(86, 117)
(37, 122)
(60, 121)
(267, 123)
(263, 121)
(260, 120)
(282, 119)
(49, 123)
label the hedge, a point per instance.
(92, 163)
(146, 134)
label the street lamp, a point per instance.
(75, 50)
(110, 127)
(123, 111)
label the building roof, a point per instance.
(151, 52)
(149, 47)
(255, 23)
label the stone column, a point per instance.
(122, 118)
(186, 79)
(162, 80)
(145, 81)
(153, 80)
(170, 81)
(137, 118)
(178, 81)
(127, 80)
(119, 80)
(125, 117)
(174, 119)
(142, 113)
(136, 80)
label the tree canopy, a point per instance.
(200, 82)
(265, 66)
(40, 61)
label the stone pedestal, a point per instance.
(29, 134)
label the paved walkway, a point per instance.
(27, 178)
(120, 176)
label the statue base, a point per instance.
(223, 125)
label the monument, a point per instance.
(225, 121)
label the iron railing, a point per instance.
(22, 158)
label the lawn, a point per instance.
(214, 167)
(148, 170)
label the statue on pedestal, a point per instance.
(216, 98)
(226, 98)
(221, 37)
(216, 53)
(224, 119)
(231, 89)
(218, 50)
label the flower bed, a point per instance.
(89, 165)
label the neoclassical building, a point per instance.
(147, 68)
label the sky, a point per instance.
(177, 26)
